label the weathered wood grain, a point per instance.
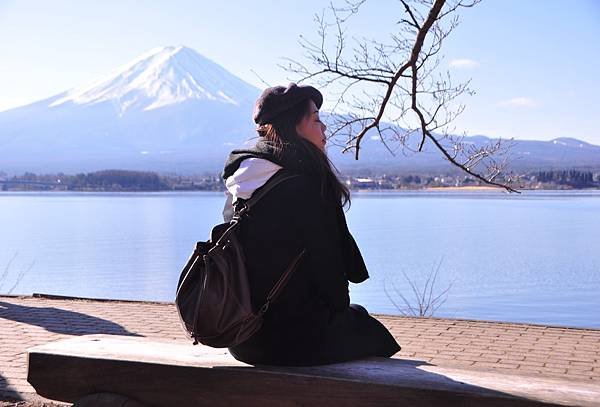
(172, 374)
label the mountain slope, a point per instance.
(172, 109)
(166, 104)
(525, 155)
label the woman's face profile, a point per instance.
(311, 127)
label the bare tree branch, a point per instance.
(425, 301)
(19, 277)
(398, 80)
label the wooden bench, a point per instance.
(108, 370)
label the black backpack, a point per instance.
(213, 294)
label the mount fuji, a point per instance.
(174, 110)
(169, 106)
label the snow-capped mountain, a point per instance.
(172, 109)
(162, 77)
(167, 105)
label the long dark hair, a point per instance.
(281, 132)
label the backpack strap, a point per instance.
(275, 180)
(276, 290)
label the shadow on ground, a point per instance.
(61, 321)
(7, 393)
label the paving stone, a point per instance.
(523, 348)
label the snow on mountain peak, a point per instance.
(160, 77)
(570, 142)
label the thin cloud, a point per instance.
(519, 102)
(464, 63)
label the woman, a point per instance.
(312, 322)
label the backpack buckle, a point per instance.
(264, 308)
(239, 208)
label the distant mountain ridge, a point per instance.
(174, 110)
(525, 155)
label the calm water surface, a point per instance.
(533, 257)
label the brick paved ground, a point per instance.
(507, 347)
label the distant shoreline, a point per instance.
(481, 188)
(470, 189)
(465, 188)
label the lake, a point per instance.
(533, 257)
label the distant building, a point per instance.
(364, 183)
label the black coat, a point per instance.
(312, 321)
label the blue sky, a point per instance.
(533, 64)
